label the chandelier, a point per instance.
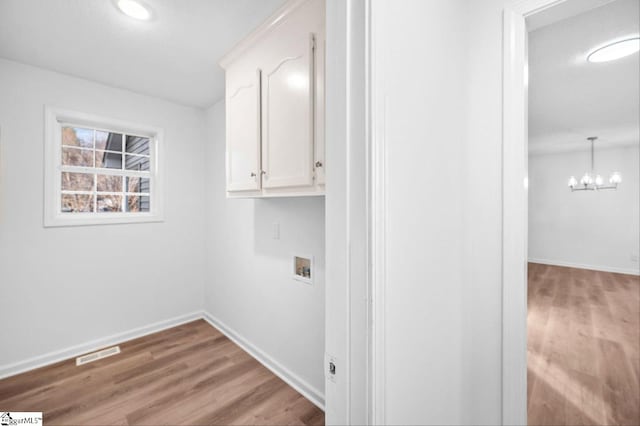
(591, 181)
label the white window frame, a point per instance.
(55, 118)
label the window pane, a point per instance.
(108, 160)
(133, 162)
(109, 141)
(101, 139)
(77, 182)
(109, 203)
(77, 203)
(101, 169)
(136, 184)
(109, 183)
(137, 145)
(77, 157)
(137, 203)
(76, 136)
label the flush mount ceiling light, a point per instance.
(616, 50)
(591, 181)
(134, 9)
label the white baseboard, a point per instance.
(293, 380)
(583, 266)
(93, 345)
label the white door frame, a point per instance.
(377, 178)
(515, 206)
(347, 213)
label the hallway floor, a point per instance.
(583, 347)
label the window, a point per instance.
(100, 171)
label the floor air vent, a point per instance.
(85, 359)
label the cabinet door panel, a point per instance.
(287, 150)
(319, 141)
(243, 133)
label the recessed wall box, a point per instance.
(303, 268)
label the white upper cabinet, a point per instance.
(243, 128)
(287, 121)
(275, 105)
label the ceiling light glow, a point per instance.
(616, 50)
(134, 9)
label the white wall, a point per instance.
(444, 135)
(595, 230)
(66, 286)
(482, 292)
(425, 69)
(249, 286)
(444, 124)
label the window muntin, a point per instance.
(101, 174)
(101, 171)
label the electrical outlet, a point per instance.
(276, 231)
(331, 368)
(634, 257)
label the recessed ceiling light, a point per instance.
(616, 50)
(134, 9)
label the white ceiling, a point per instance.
(570, 98)
(172, 57)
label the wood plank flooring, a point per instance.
(187, 375)
(583, 347)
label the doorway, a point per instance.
(570, 251)
(583, 307)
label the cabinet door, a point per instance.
(243, 130)
(319, 142)
(288, 112)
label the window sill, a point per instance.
(94, 219)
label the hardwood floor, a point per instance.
(188, 375)
(583, 347)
